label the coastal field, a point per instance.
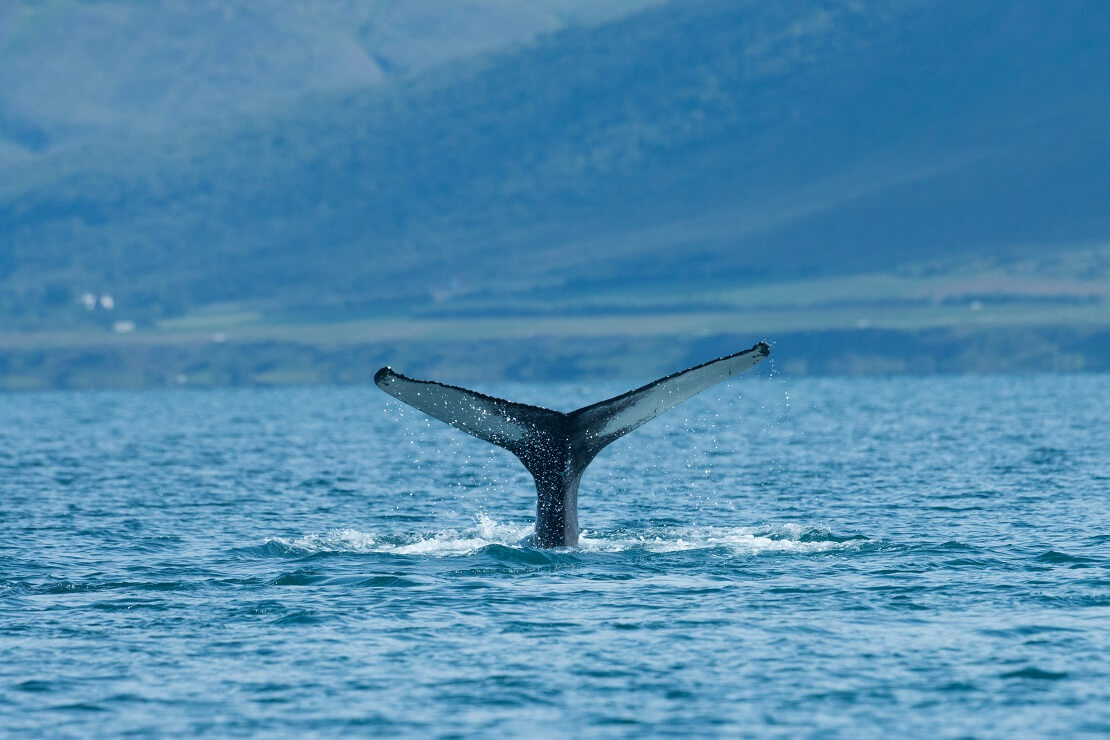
(979, 321)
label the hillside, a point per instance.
(646, 165)
(126, 66)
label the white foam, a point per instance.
(743, 541)
(739, 540)
(337, 540)
(485, 532)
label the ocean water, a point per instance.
(927, 557)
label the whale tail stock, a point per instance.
(554, 446)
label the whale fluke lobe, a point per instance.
(554, 446)
(607, 421)
(500, 422)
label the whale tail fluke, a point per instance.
(520, 428)
(556, 447)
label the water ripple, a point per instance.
(871, 557)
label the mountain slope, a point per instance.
(73, 70)
(723, 140)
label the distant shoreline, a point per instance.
(307, 357)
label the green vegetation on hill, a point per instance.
(1029, 318)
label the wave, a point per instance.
(491, 536)
(484, 533)
(776, 538)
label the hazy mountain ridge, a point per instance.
(683, 150)
(75, 70)
(835, 124)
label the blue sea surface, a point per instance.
(927, 557)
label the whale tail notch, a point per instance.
(554, 446)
